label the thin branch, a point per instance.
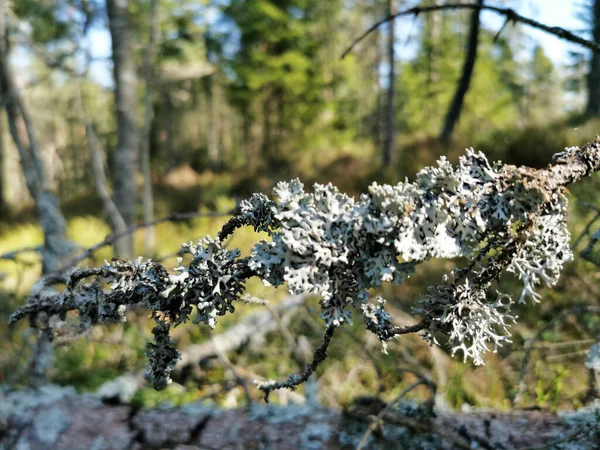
(497, 36)
(589, 225)
(12, 255)
(590, 206)
(509, 13)
(397, 331)
(431, 385)
(97, 160)
(294, 380)
(228, 229)
(112, 237)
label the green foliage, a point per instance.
(286, 79)
(505, 91)
(48, 19)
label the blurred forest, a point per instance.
(209, 101)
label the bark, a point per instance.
(455, 109)
(147, 197)
(58, 418)
(593, 78)
(125, 160)
(389, 151)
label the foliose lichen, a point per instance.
(499, 217)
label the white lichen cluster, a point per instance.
(499, 218)
(331, 245)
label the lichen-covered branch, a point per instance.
(501, 218)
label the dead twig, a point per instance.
(294, 380)
(509, 13)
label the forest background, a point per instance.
(120, 112)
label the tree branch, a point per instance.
(509, 13)
(113, 237)
(295, 380)
(501, 217)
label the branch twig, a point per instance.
(509, 13)
(12, 255)
(111, 238)
(294, 380)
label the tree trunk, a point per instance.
(432, 44)
(389, 152)
(98, 161)
(147, 197)
(267, 144)
(377, 116)
(125, 162)
(56, 245)
(453, 114)
(3, 205)
(593, 78)
(214, 155)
